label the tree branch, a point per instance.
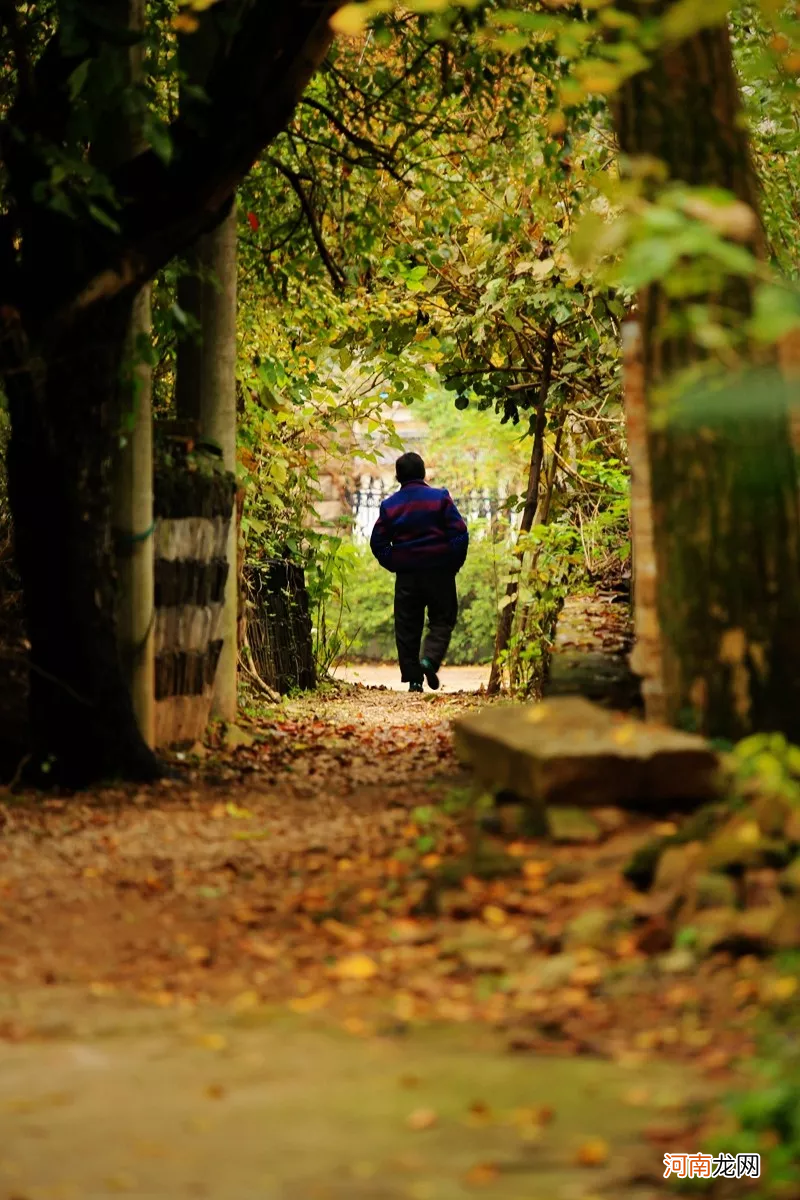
(337, 278)
(251, 94)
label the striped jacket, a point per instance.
(419, 528)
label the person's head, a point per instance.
(409, 467)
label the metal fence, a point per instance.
(479, 504)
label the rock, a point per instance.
(455, 902)
(712, 889)
(567, 749)
(785, 933)
(515, 820)
(566, 873)
(741, 843)
(790, 877)
(678, 961)
(557, 971)
(641, 869)
(572, 825)
(610, 820)
(772, 813)
(792, 827)
(596, 927)
(759, 888)
(706, 930)
(675, 866)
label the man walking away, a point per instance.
(421, 537)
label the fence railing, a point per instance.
(479, 504)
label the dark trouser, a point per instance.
(434, 590)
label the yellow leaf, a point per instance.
(493, 915)
(212, 1041)
(623, 735)
(781, 989)
(356, 1026)
(422, 1118)
(185, 23)
(350, 20)
(312, 1003)
(239, 814)
(356, 966)
(405, 1006)
(260, 949)
(593, 1153)
(244, 1002)
(198, 954)
(101, 989)
(749, 833)
(430, 861)
(351, 937)
(123, 1182)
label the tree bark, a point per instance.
(505, 621)
(67, 286)
(723, 489)
(132, 516)
(64, 400)
(218, 422)
(132, 501)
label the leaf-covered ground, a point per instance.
(315, 864)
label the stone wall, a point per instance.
(194, 505)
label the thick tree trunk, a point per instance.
(724, 489)
(64, 404)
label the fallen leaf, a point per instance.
(356, 966)
(238, 814)
(482, 1174)
(244, 1002)
(260, 949)
(593, 1153)
(493, 915)
(422, 1118)
(311, 1003)
(212, 1041)
(479, 1114)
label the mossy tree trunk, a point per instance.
(723, 488)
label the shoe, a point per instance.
(415, 687)
(430, 674)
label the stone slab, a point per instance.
(567, 750)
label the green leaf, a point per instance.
(77, 79)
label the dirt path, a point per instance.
(235, 969)
(453, 679)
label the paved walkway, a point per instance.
(454, 679)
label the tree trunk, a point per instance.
(205, 392)
(132, 517)
(132, 500)
(505, 621)
(64, 404)
(724, 490)
(218, 423)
